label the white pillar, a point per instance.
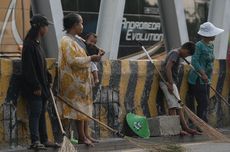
(173, 23)
(109, 26)
(219, 15)
(52, 9)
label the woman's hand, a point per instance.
(95, 58)
(101, 52)
(204, 77)
(38, 92)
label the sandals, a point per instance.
(93, 140)
(184, 133)
(51, 144)
(193, 132)
(37, 146)
(87, 142)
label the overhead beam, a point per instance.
(109, 26)
(52, 9)
(173, 23)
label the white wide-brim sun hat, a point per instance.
(207, 29)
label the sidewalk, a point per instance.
(207, 147)
(188, 143)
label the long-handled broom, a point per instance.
(66, 144)
(223, 99)
(68, 103)
(211, 132)
(137, 142)
(116, 132)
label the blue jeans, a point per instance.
(37, 121)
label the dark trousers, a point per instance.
(201, 94)
(37, 121)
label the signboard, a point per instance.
(144, 28)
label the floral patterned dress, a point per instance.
(75, 78)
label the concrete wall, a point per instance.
(126, 86)
(13, 106)
(138, 88)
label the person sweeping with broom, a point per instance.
(202, 61)
(169, 72)
(75, 76)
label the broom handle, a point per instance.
(146, 52)
(192, 67)
(73, 107)
(56, 111)
(225, 101)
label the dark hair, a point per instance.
(36, 22)
(190, 46)
(33, 33)
(90, 34)
(39, 20)
(70, 19)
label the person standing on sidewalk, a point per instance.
(75, 75)
(169, 71)
(36, 81)
(202, 61)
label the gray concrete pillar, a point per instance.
(173, 23)
(219, 15)
(109, 26)
(52, 9)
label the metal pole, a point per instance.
(173, 23)
(52, 9)
(219, 15)
(109, 26)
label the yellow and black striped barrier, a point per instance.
(137, 90)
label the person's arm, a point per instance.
(73, 57)
(169, 66)
(29, 71)
(196, 64)
(101, 52)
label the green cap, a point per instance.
(138, 124)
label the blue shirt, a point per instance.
(202, 59)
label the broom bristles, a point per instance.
(211, 132)
(67, 146)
